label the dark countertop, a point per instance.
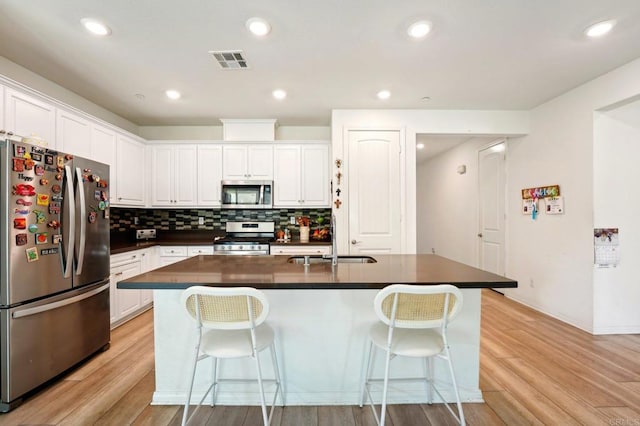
(274, 272)
(297, 242)
(125, 242)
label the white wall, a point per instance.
(447, 214)
(616, 152)
(411, 122)
(24, 77)
(552, 257)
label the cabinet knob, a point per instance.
(354, 242)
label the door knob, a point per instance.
(480, 234)
(354, 242)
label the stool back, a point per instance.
(418, 306)
(226, 308)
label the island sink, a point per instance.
(309, 260)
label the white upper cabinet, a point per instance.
(162, 173)
(2, 109)
(73, 134)
(174, 175)
(130, 172)
(301, 175)
(247, 162)
(26, 116)
(103, 149)
(209, 175)
(186, 175)
(286, 176)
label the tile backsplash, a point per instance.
(124, 219)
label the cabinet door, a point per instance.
(73, 134)
(103, 149)
(2, 126)
(162, 173)
(146, 296)
(286, 176)
(128, 301)
(186, 175)
(247, 162)
(260, 162)
(234, 162)
(28, 116)
(315, 176)
(113, 300)
(209, 175)
(130, 172)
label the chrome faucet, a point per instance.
(334, 243)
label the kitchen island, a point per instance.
(321, 315)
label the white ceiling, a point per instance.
(437, 144)
(333, 54)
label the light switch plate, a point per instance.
(201, 221)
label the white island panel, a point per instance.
(321, 340)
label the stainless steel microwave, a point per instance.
(247, 194)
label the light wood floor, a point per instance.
(534, 370)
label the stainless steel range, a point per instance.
(245, 238)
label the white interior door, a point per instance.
(491, 178)
(374, 192)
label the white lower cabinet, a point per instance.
(127, 303)
(300, 250)
(172, 254)
(198, 250)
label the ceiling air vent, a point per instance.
(230, 59)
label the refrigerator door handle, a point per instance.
(83, 225)
(50, 306)
(72, 220)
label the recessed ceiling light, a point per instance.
(420, 146)
(600, 29)
(95, 27)
(419, 29)
(384, 94)
(258, 26)
(173, 94)
(279, 94)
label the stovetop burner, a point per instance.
(245, 238)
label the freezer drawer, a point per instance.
(41, 340)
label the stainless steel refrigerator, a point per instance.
(54, 265)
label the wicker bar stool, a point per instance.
(413, 323)
(230, 323)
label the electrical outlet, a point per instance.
(201, 221)
(292, 220)
(136, 220)
(531, 283)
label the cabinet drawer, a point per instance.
(195, 251)
(300, 250)
(125, 258)
(173, 251)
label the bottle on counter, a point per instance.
(287, 234)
